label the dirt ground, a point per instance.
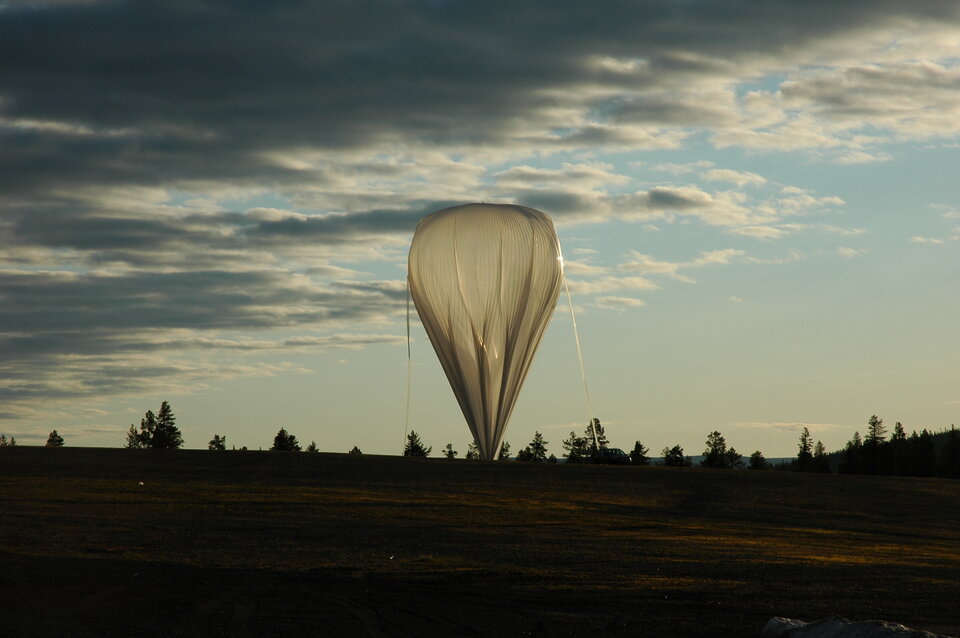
(97, 542)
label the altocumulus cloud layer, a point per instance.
(174, 175)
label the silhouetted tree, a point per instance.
(551, 459)
(12, 442)
(876, 432)
(355, 451)
(601, 443)
(54, 440)
(872, 444)
(757, 462)
(449, 452)
(804, 453)
(950, 455)
(923, 453)
(473, 451)
(536, 450)
(639, 454)
(674, 457)
(899, 451)
(217, 443)
(504, 452)
(414, 447)
(285, 442)
(580, 449)
(166, 435)
(312, 448)
(820, 461)
(716, 454)
(142, 438)
(576, 450)
(852, 460)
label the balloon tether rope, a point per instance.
(583, 371)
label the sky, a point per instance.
(211, 203)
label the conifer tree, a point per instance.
(54, 440)
(536, 450)
(804, 453)
(673, 457)
(757, 462)
(639, 454)
(166, 434)
(285, 442)
(473, 452)
(820, 461)
(414, 447)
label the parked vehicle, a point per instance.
(611, 456)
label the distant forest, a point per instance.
(923, 453)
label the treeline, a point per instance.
(917, 454)
(923, 454)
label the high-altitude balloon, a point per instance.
(485, 279)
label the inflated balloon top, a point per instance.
(485, 279)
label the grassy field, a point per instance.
(273, 544)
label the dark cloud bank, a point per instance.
(194, 95)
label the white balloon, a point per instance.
(485, 279)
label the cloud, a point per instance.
(618, 303)
(740, 178)
(850, 253)
(647, 265)
(787, 426)
(918, 239)
(682, 169)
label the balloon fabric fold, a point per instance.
(485, 279)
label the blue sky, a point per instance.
(211, 204)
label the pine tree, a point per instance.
(852, 462)
(601, 443)
(218, 443)
(804, 454)
(536, 450)
(134, 441)
(950, 455)
(872, 444)
(673, 457)
(899, 451)
(414, 447)
(639, 454)
(473, 452)
(355, 451)
(715, 454)
(449, 452)
(820, 461)
(757, 462)
(312, 448)
(166, 434)
(54, 440)
(875, 431)
(285, 442)
(504, 452)
(923, 454)
(576, 448)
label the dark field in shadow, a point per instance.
(259, 543)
